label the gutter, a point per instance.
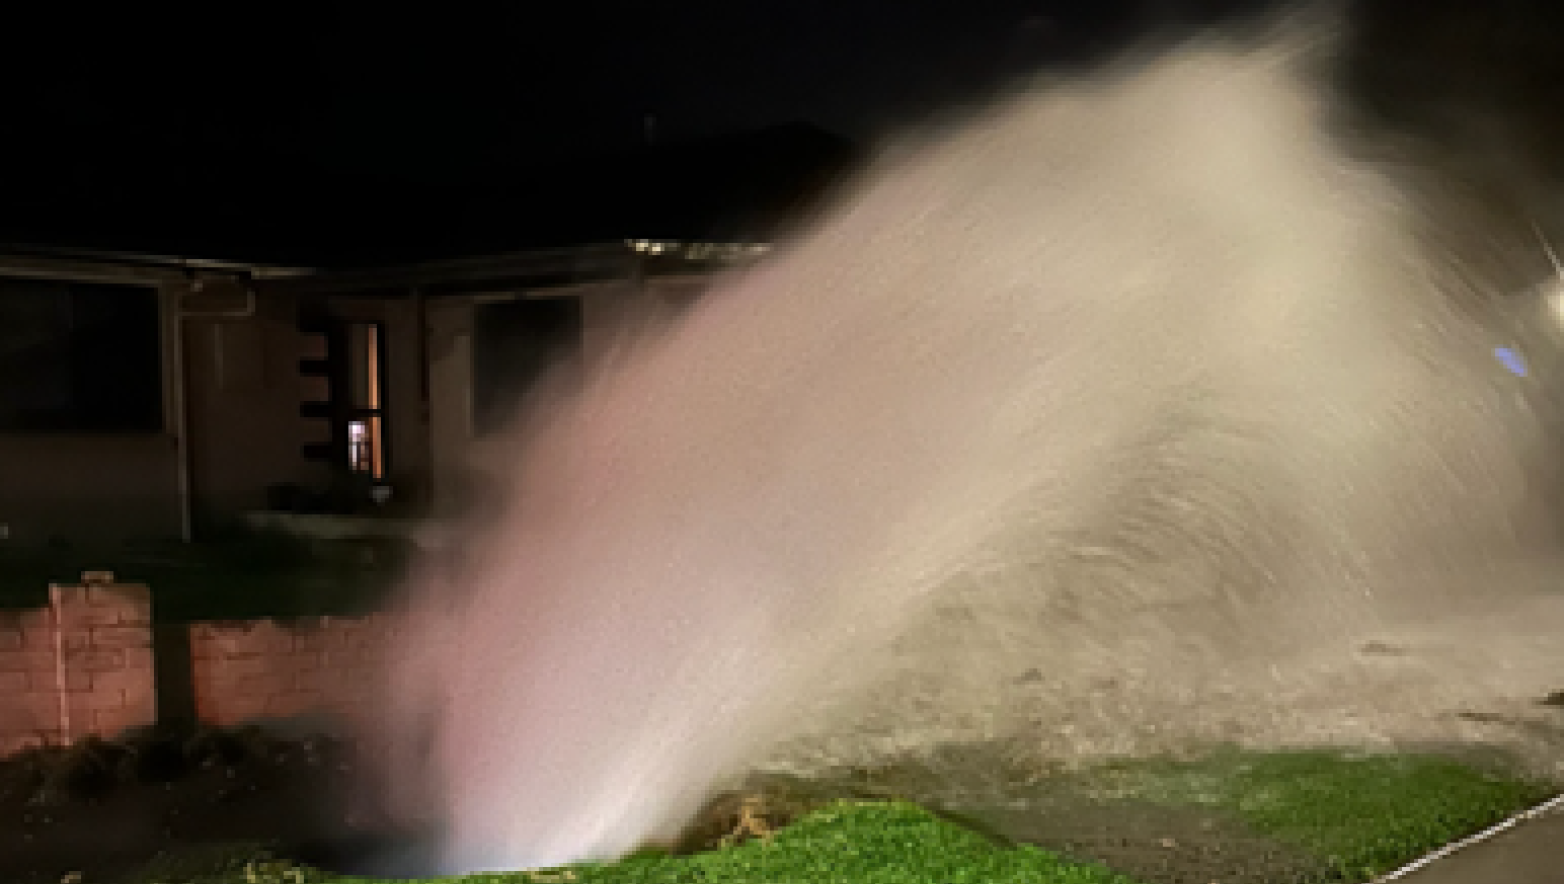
(607, 259)
(610, 260)
(1552, 805)
(153, 262)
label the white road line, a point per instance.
(1550, 806)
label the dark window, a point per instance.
(79, 357)
(513, 344)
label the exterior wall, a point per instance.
(450, 403)
(674, 293)
(243, 394)
(81, 666)
(95, 487)
(610, 312)
(88, 488)
(459, 457)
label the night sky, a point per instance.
(258, 109)
(442, 94)
(449, 94)
(281, 130)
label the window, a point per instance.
(513, 344)
(366, 407)
(79, 357)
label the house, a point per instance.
(409, 371)
(95, 393)
(148, 396)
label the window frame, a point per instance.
(157, 286)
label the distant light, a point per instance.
(1511, 360)
(1554, 294)
(699, 251)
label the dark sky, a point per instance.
(440, 91)
(208, 128)
(225, 112)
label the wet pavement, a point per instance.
(1530, 853)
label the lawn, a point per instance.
(1360, 815)
(1330, 817)
(1230, 816)
(873, 843)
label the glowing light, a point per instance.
(1512, 360)
(699, 251)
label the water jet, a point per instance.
(1147, 381)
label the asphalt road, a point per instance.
(1530, 853)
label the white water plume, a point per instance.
(1144, 357)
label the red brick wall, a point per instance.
(105, 648)
(84, 665)
(81, 666)
(262, 669)
(29, 680)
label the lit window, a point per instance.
(366, 420)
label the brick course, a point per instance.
(84, 665)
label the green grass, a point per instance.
(1362, 815)
(864, 843)
(890, 843)
(1365, 815)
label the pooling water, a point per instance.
(1125, 345)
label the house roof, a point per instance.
(737, 188)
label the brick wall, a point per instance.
(327, 667)
(83, 665)
(104, 644)
(29, 680)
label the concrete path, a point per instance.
(1532, 852)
